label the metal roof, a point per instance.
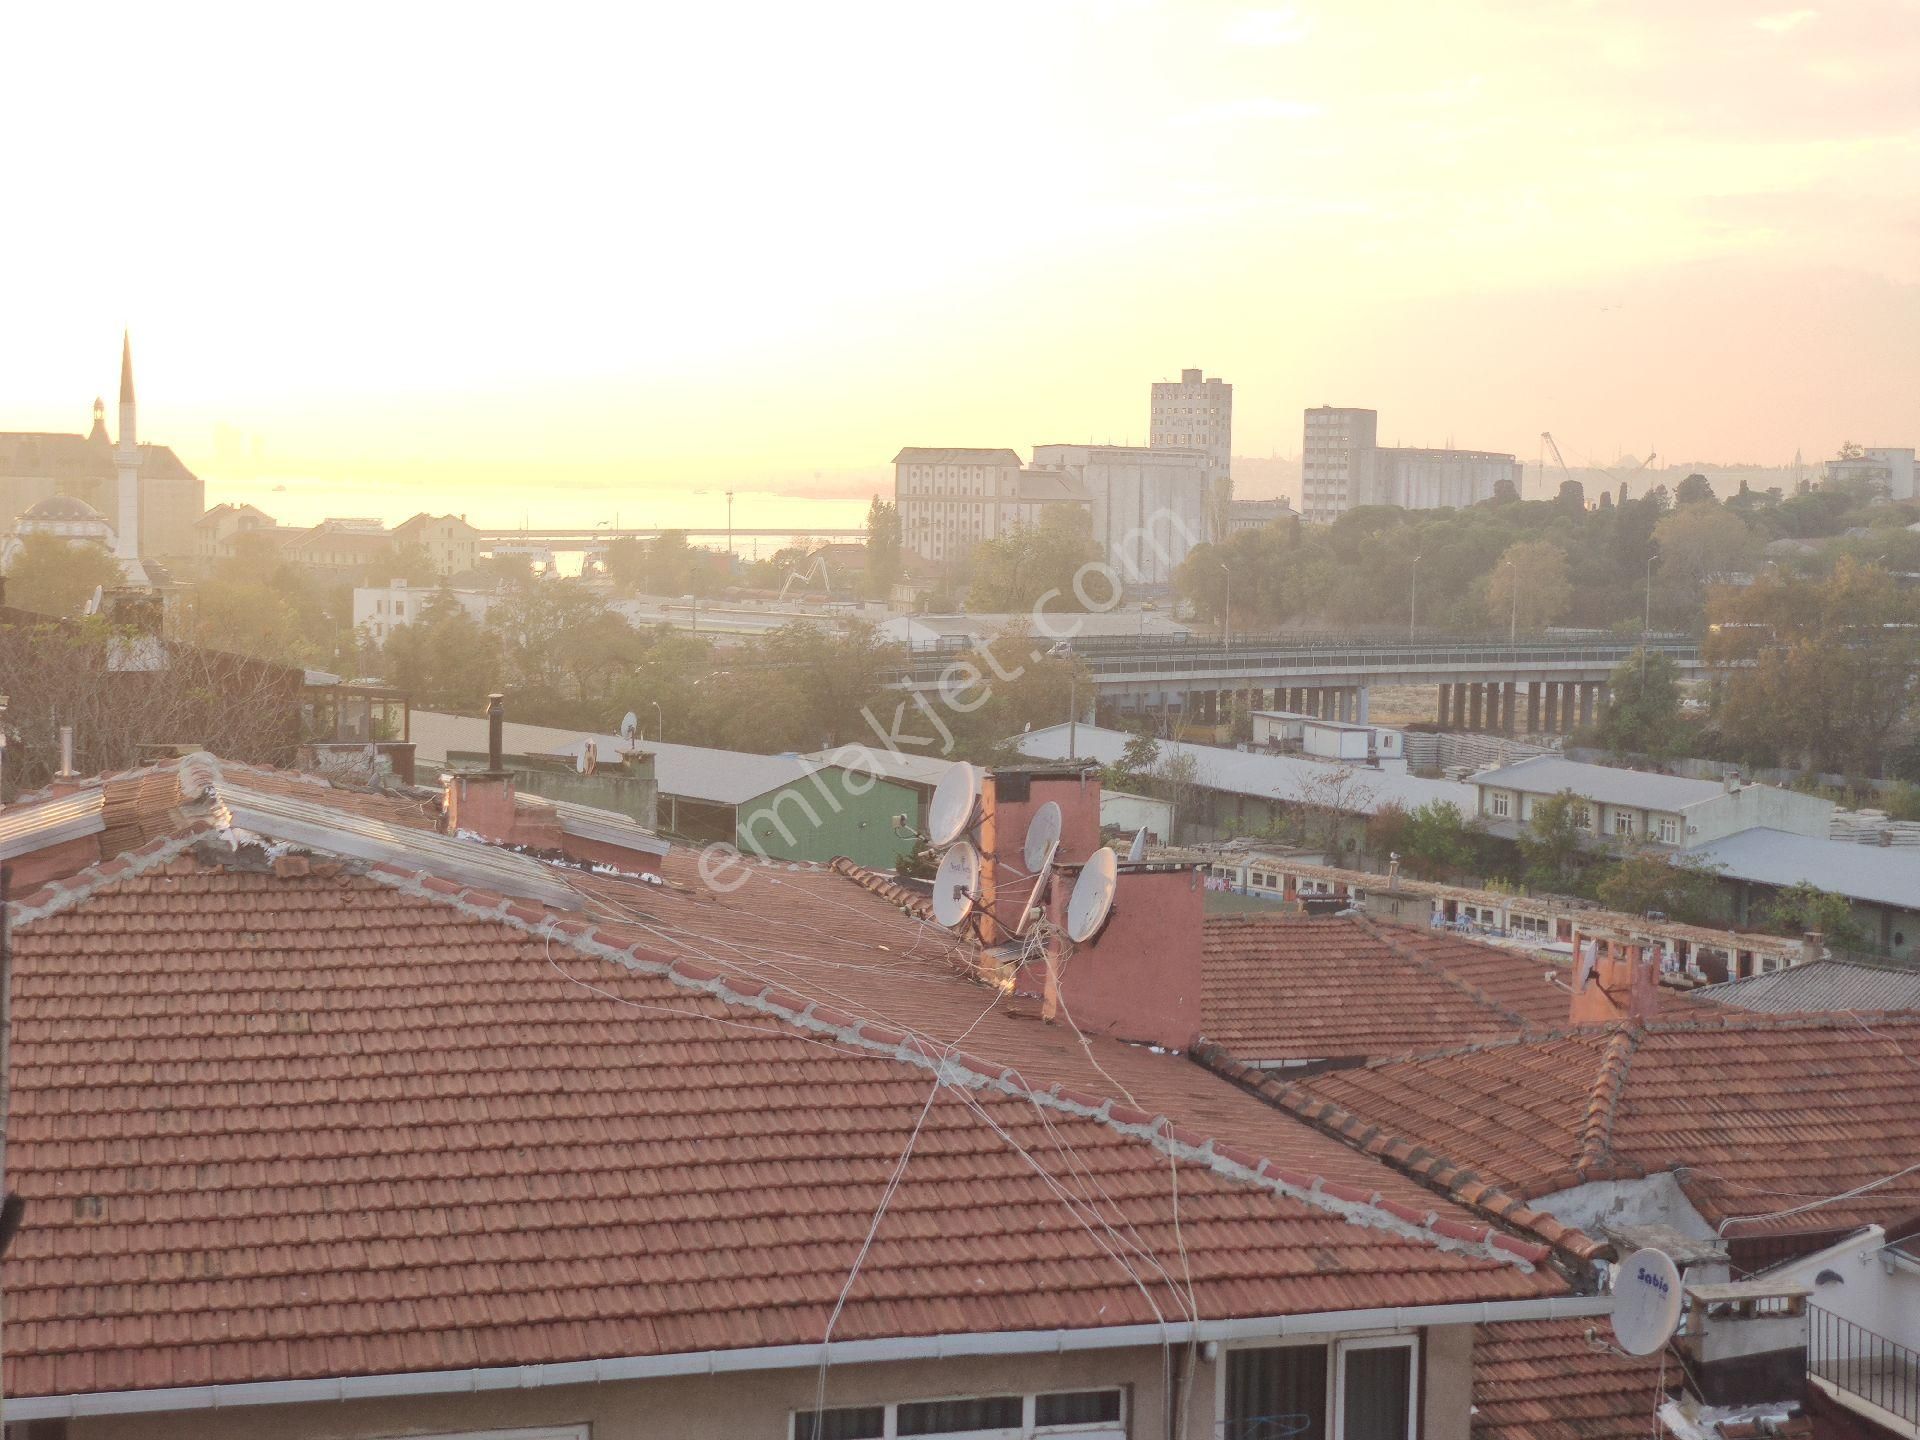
(1607, 784)
(27, 828)
(1823, 985)
(1269, 777)
(1880, 875)
(609, 827)
(315, 825)
(886, 764)
(692, 772)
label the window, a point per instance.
(1082, 1414)
(1669, 830)
(1622, 822)
(1582, 817)
(1500, 804)
(1350, 1390)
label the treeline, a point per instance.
(1532, 564)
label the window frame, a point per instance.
(1337, 1347)
(890, 1414)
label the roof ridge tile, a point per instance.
(1594, 1147)
(1443, 974)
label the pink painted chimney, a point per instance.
(1624, 982)
(1009, 800)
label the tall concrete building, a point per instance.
(1192, 413)
(1343, 466)
(149, 497)
(1336, 461)
(1148, 506)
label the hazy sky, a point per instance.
(428, 250)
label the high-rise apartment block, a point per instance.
(1336, 461)
(1193, 413)
(1343, 466)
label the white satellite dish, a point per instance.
(950, 811)
(1043, 837)
(1092, 899)
(1583, 967)
(1646, 1301)
(629, 726)
(586, 761)
(955, 884)
(1037, 896)
(1137, 851)
(93, 601)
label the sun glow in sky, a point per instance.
(573, 260)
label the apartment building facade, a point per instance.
(1194, 412)
(1343, 466)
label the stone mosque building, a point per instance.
(139, 500)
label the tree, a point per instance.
(1572, 496)
(444, 660)
(1036, 566)
(1436, 840)
(1505, 492)
(1654, 881)
(1700, 546)
(1803, 906)
(57, 577)
(1815, 672)
(884, 561)
(1696, 489)
(1529, 587)
(562, 650)
(1550, 843)
(252, 620)
(1643, 717)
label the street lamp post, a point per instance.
(1513, 613)
(1646, 623)
(659, 724)
(1413, 595)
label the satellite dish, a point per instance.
(1036, 897)
(587, 760)
(93, 601)
(1092, 899)
(955, 884)
(1646, 1301)
(1583, 966)
(1043, 837)
(629, 726)
(1137, 851)
(950, 811)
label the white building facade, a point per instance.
(382, 609)
(952, 499)
(1194, 413)
(1889, 468)
(1336, 460)
(1439, 479)
(1344, 466)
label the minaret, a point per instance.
(126, 460)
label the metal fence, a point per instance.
(1852, 1358)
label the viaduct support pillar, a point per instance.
(1459, 706)
(1360, 705)
(1552, 688)
(1587, 693)
(1509, 692)
(1446, 702)
(1476, 697)
(1533, 707)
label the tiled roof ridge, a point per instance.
(57, 896)
(1411, 1158)
(1369, 1209)
(885, 886)
(1432, 967)
(174, 762)
(1595, 1146)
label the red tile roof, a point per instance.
(1282, 988)
(280, 1119)
(1543, 1380)
(1756, 1113)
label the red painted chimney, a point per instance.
(1623, 982)
(1009, 800)
(1139, 978)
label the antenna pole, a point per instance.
(6, 1059)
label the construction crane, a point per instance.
(1549, 443)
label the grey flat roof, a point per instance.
(1268, 777)
(692, 772)
(898, 765)
(1879, 875)
(1823, 985)
(1638, 789)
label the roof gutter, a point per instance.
(793, 1357)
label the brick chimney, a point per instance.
(483, 802)
(1139, 978)
(1624, 983)
(1009, 800)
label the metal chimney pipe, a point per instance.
(66, 752)
(496, 731)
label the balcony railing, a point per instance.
(1860, 1363)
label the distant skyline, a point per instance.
(503, 255)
